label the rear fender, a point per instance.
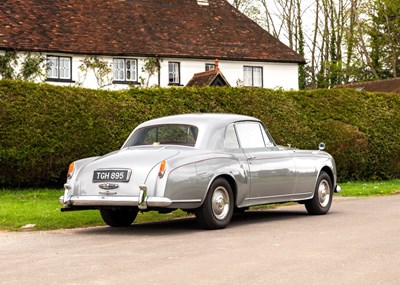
(79, 165)
(231, 170)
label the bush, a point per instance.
(44, 127)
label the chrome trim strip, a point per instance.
(267, 197)
(187, 201)
(302, 194)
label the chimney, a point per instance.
(216, 66)
(202, 2)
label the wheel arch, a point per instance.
(217, 208)
(328, 171)
(231, 182)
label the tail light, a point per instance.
(163, 166)
(71, 169)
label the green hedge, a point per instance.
(43, 127)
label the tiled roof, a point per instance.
(212, 77)
(164, 28)
(391, 85)
(207, 78)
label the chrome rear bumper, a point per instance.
(114, 201)
(143, 201)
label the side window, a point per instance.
(267, 139)
(230, 140)
(250, 135)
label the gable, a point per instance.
(147, 28)
(208, 78)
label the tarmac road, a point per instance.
(358, 242)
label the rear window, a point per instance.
(164, 135)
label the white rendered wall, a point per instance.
(275, 75)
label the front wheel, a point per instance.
(217, 209)
(119, 218)
(322, 200)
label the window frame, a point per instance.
(140, 136)
(231, 140)
(58, 78)
(178, 82)
(124, 71)
(209, 66)
(263, 135)
(252, 75)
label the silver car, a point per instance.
(209, 164)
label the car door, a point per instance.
(272, 170)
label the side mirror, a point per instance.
(321, 146)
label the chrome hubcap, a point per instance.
(324, 193)
(220, 203)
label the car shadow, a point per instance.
(189, 225)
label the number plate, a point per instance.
(115, 175)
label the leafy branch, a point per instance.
(8, 63)
(32, 66)
(151, 66)
(100, 68)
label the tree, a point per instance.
(300, 40)
(385, 37)
(342, 40)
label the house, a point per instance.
(115, 44)
(391, 85)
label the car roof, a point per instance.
(211, 126)
(199, 119)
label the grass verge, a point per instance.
(366, 189)
(40, 207)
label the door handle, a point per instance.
(251, 158)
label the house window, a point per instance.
(174, 73)
(252, 76)
(210, 66)
(124, 70)
(59, 68)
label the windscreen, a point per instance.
(164, 135)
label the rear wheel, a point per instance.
(118, 217)
(322, 200)
(217, 209)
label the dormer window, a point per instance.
(210, 66)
